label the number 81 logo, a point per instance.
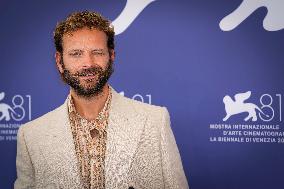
(267, 106)
(17, 111)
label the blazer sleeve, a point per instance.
(173, 173)
(25, 170)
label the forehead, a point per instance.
(84, 37)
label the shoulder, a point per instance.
(43, 121)
(145, 109)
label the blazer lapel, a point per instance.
(59, 150)
(123, 134)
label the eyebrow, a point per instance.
(80, 50)
(75, 50)
(98, 50)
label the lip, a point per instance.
(88, 77)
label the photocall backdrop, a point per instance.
(216, 65)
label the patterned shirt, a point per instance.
(90, 143)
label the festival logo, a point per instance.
(273, 21)
(6, 110)
(139, 97)
(13, 111)
(260, 120)
(131, 10)
(17, 110)
(237, 106)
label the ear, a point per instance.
(58, 57)
(112, 54)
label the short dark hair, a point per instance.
(79, 20)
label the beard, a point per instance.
(89, 87)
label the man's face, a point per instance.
(86, 62)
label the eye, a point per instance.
(98, 53)
(75, 54)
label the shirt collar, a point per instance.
(102, 114)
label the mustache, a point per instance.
(89, 71)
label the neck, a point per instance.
(89, 108)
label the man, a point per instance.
(97, 138)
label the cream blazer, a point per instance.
(141, 150)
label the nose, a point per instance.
(88, 61)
